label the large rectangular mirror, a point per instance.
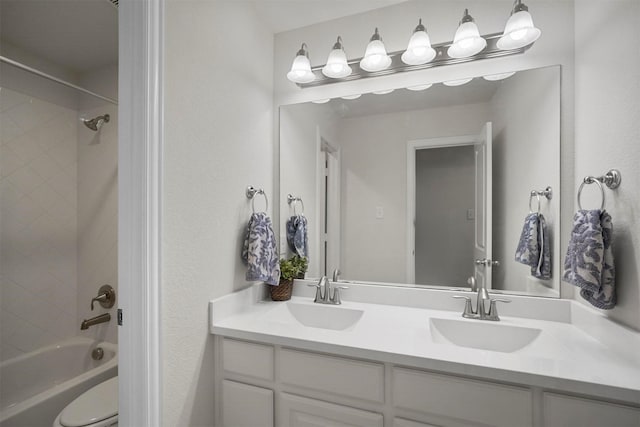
(429, 186)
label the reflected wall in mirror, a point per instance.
(413, 187)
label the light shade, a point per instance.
(419, 50)
(375, 57)
(467, 41)
(500, 76)
(420, 87)
(337, 66)
(519, 30)
(382, 92)
(301, 67)
(459, 82)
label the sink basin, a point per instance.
(483, 335)
(324, 316)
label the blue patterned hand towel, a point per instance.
(589, 261)
(297, 235)
(260, 252)
(533, 247)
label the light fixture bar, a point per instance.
(397, 66)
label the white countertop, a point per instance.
(563, 357)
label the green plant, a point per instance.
(293, 268)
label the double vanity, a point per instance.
(405, 357)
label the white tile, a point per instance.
(10, 98)
(64, 152)
(26, 338)
(25, 148)
(9, 352)
(9, 323)
(25, 179)
(9, 161)
(9, 129)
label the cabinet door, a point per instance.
(569, 411)
(246, 406)
(296, 411)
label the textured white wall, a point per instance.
(38, 222)
(526, 156)
(608, 131)
(218, 139)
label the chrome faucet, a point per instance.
(480, 312)
(327, 294)
(103, 318)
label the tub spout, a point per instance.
(103, 318)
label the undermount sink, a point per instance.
(482, 335)
(324, 316)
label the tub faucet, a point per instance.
(482, 295)
(103, 318)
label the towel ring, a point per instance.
(293, 201)
(590, 180)
(534, 193)
(251, 194)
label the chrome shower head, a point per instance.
(96, 123)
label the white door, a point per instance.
(483, 213)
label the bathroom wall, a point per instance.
(38, 219)
(218, 138)
(374, 150)
(538, 94)
(98, 202)
(608, 131)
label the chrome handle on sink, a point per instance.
(336, 294)
(468, 309)
(493, 310)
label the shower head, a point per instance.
(96, 123)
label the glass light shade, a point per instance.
(419, 50)
(301, 70)
(518, 32)
(500, 76)
(382, 92)
(420, 87)
(459, 82)
(375, 57)
(321, 101)
(467, 41)
(336, 66)
(348, 97)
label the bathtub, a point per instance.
(36, 386)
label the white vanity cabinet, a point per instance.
(271, 385)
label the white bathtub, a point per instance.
(36, 386)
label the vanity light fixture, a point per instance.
(375, 57)
(419, 50)
(301, 67)
(500, 76)
(382, 92)
(337, 66)
(349, 97)
(467, 41)
(519, 30)
(420, 87)
(458, 82)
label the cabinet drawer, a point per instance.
(246, 406)
(474, 401)
(248, 359)
(569, 411)
(296, 411)
(334, 375)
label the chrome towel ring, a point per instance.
(251, 194)
(293, 201)
(611, 179)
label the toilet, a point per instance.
(96, 407)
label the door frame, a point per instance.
(140, 141)
(412, 147)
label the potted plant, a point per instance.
(292, 268)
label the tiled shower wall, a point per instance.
(38, 223)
